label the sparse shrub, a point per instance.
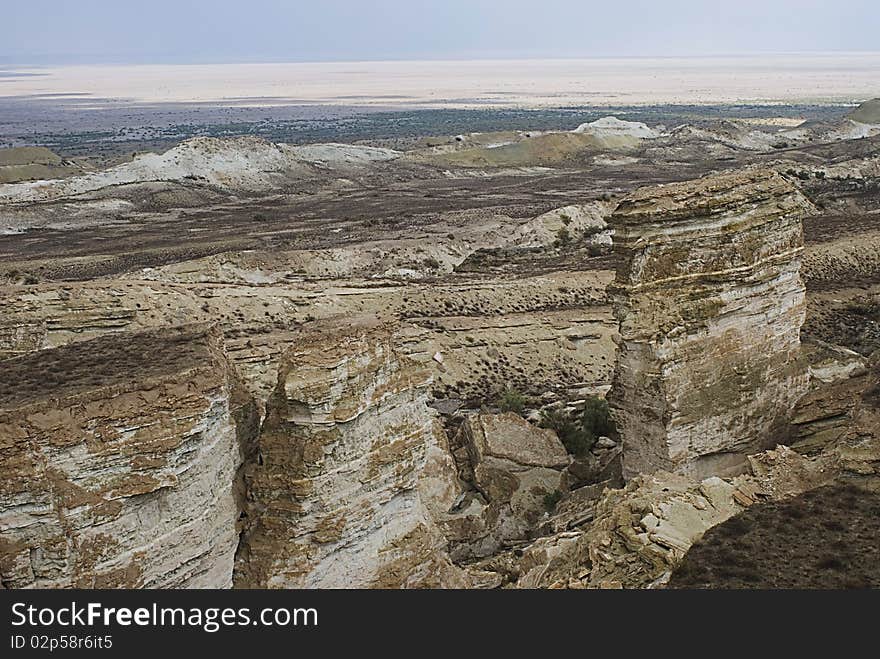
(512, 401)
(574, 438)
(578, 432)
(551, 499)
(563, 237)
(566, 220)
(30, 280)
(596, 417)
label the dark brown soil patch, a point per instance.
(124, 358)
(826, 538)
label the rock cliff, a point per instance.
(710, 304)
(335, 497)
(118, 463)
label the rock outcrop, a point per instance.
(516, 468)
(335, 496)
(710, 304)
(575, 222)
(614, 127)
(636, 536)
(118, 463)
(241, 164)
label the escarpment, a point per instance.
(446, 442)
(334, 499)
(710, 303)
(118, 463)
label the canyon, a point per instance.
(529, 359)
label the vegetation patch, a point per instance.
(825, 538)
(578, 431)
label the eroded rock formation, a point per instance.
(335, 497)
(636, 536)
(513, 467)
(124, 471)
(118, 463)
(710, 304)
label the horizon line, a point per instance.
(7, 61)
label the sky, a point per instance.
(204, 31)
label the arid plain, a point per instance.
(440, 324)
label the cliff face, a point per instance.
(710, 304)
(347, 450)
(118, 461)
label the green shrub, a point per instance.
(578, 432)
(596, 417)
(512, 401)
(573, 436)
(563, 237)
(551, 499)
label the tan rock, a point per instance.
(710, 304)
(118, 463)
(347, 450)
(510, 437)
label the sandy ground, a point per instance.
(513, 83)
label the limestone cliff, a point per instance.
(710, 304)
(118, 462)
(335, 495)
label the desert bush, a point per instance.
(596, 417)
(573, 436)
(579, 431)
(563, 237)
(512, 400)
(551, 499)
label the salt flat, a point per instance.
(820, 78)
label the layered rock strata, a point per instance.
(118, 463)
(710, 303)
(335, 497)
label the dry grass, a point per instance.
(112, 359)
(826, 538)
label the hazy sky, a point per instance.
(87, 31)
